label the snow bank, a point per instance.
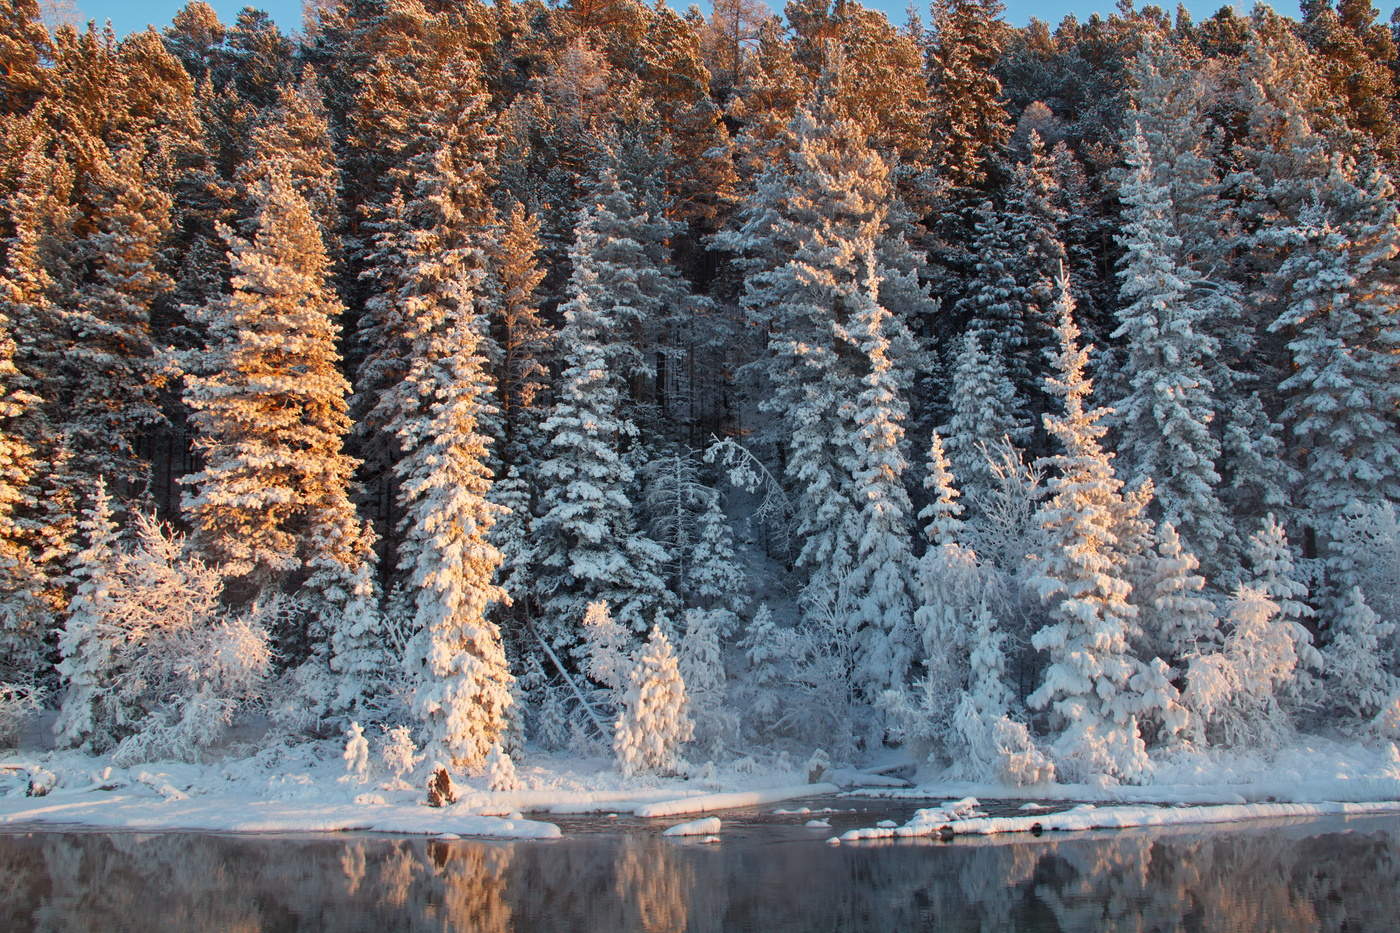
(937, 821)
(241, 815)
(702, 827)
(707, 803)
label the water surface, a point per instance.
(770, 873)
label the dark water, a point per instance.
(769, 874)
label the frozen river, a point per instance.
(768, 873)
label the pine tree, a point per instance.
(655, 719)
(1164, 420)
(1089, 680)
(271, 506)
(969, 123)
(116, 367)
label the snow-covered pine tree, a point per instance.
(115, 368)
(271, 507)
(586, 543)
(90, 640)
(655, 718)
(970, 126)
(1164, 420)
(521, 334)
(1088, 682)
(983, 410)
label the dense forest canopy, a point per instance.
(597, 373)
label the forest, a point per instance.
(679, 386)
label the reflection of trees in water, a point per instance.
(1280, 877)
(654, 882)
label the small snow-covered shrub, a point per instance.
(18, 701)
(356, 755)
(500, 770)
(398, 752)
(1387, 721)
(655, 719)
(156, 667)
(1232, 693)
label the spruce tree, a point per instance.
(1089, 682)
(587, 544)
(1164, 419)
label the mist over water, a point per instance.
(1305, 876)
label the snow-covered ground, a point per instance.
(306, 788)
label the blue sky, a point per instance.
(127, 15)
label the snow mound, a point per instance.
(702, 827)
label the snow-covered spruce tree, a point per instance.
(802, 243)
(655, 718)
(586, 543)
(882, 572)
(455, 659)
(1271, 571)
(90, 641)
(1365, 552)
(983, 410)
(949, 585)
(462, 683)
(607, 649)
(1232, 692)
(1174, 619)
(1358, 680)
(942, 517)
(271, 507)
(1164, 420)
(1342, 299)
(1093, 684)
(984, 742)
(996, 303)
